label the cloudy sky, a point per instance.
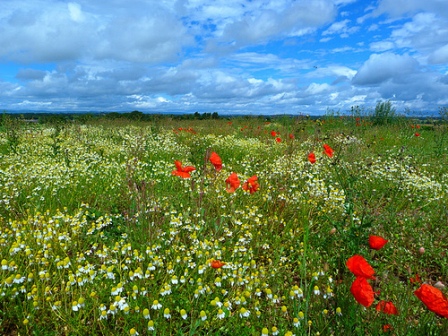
(228, 56)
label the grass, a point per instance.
(98, 237)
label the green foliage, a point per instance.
(12, 128)
(86, 209)
(384, 113)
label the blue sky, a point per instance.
(228, 56)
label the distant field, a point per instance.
(101, 233)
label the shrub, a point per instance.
(384, 113)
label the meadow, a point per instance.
(288, 226)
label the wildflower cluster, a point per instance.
(103, 234)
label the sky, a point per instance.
(227, 56)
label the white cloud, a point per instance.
(425, 31)
(75, 12)
(341, 28)
(315, 88)
(383, 67)
(440, 55)
(61, 32)
(400, 7)
(381, 46)
(293, 20)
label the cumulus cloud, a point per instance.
(440, 55)
(425, 31)
(296, 19)
(400, 7)
(61, 32)
(383, 67)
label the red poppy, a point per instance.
(291, 136)
(417, 134)
(216, 161)
(387, 328)
(433, 299)
(387, 307)
(377, 242)
(251, 184)
(360, 267)
(328, 150)
(416, 279)
(312, 158)
(183, 172)
(232, 183)
(274, 133)
(216, 264)
(362, 291)
(278, 139)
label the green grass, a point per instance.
(94, 227)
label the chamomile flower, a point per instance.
(328, 293)
(75, 306)
(183, 314)
(103, 315)
(244, 312)
(203, 315)
(166, 313)
(146, 313)
(221, 314)
(156, 305)
(284, 310)
(112, 309)
(296, 322)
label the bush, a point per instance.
(384, 113)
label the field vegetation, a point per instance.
(285, 226)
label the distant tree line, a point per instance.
(59, 118)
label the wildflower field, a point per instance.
(224, 227)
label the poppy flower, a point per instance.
(362, 291)
(387, 307)
(216, 264)
(417, 134)
(312, 158)
(273, 133)
(232, 183)
(360, 267)
(433, 299)
(416, 279)
(183, 172)
(278, 139)
(291, 136)
(216, 161)
(387, 328)
(251, 184)
(328, 151)
(377, 242)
